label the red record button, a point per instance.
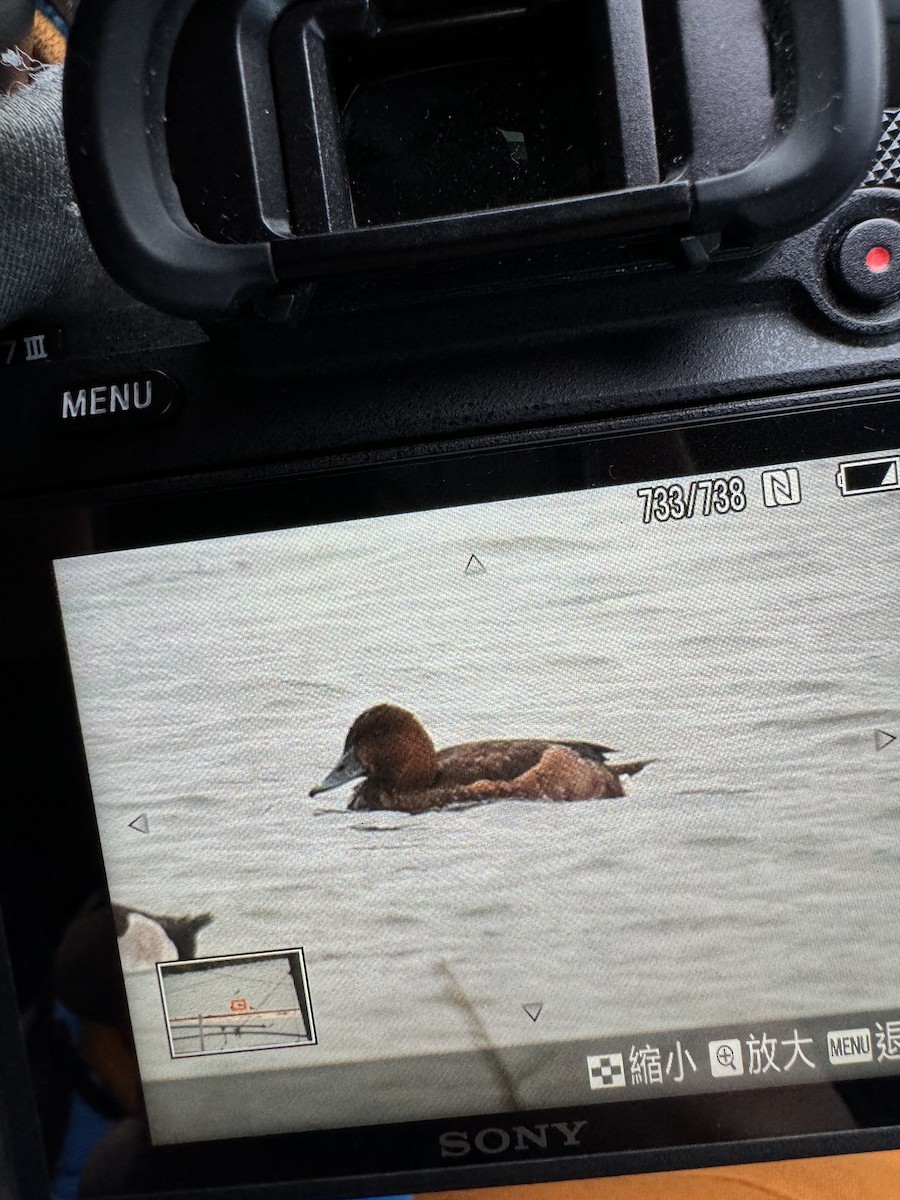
(867, 262)
(878, 259)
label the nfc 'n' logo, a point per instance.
(781, 487)
(455, 1143)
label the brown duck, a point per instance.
(391, 752)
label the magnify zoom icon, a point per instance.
(726, 1058)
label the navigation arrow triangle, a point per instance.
(883, 739)
(533, 1010)
(140, 824)
(474, 566)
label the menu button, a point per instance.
(137, 399)
(849, 1045)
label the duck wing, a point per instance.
(504, 758)
(561, 776)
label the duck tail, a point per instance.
(591, 751)
(630, 768)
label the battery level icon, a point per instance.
(869, 475)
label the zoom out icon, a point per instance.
(781, 487)
(726, 1058)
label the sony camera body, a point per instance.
(507, 382)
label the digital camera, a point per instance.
(450, 630)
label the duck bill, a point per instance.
(347, 769)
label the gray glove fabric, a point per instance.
(44, 249)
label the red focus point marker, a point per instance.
(878, 259)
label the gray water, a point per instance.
(751, 873)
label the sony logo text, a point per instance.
(456, 1143)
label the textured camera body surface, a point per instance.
(524, 342)
(707, 246)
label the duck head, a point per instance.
(390, 748)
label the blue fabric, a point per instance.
(56, 18)
(86, 1127)
(71, 1022)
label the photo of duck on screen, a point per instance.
(532, 756)
(390, 752)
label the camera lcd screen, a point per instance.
(550, 801)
